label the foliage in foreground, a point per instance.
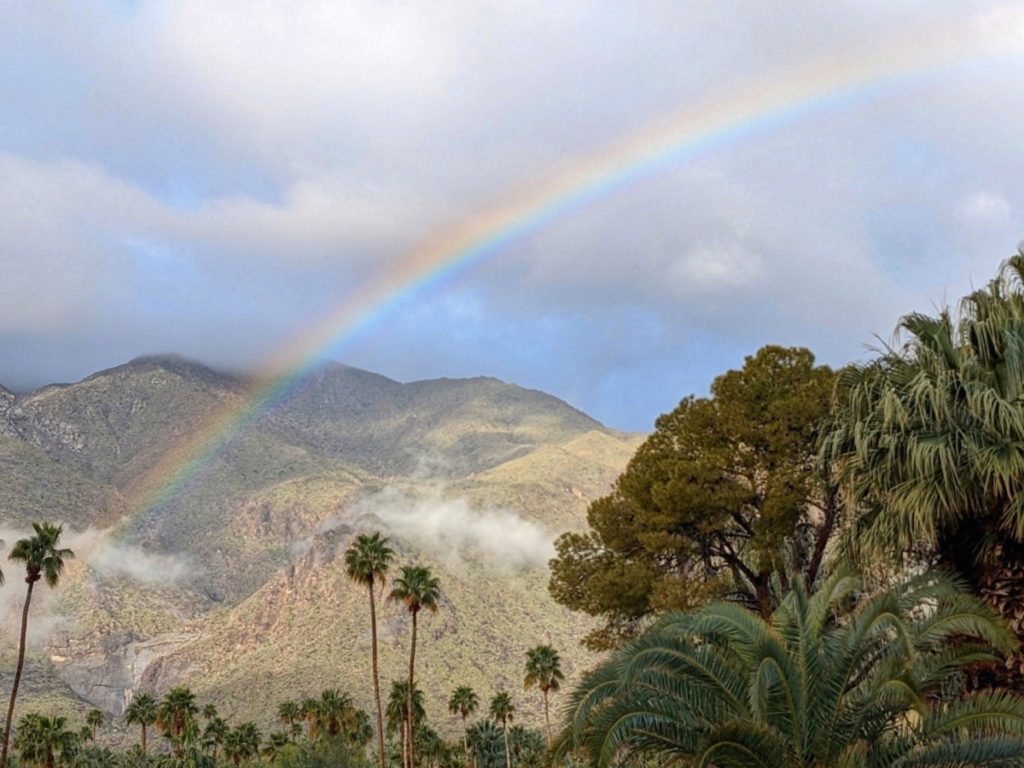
(831, 679)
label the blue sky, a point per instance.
(210, 179)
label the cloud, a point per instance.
(450, 529)
(212, 179)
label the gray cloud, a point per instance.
(210, 179)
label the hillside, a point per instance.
(235, 585)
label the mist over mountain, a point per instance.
(234, 584)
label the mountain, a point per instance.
(234, 583)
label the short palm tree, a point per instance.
(289, 713)
(242, 743)
(176, 714)
(837, 679)
(463, 702)
(277, 741)
(417, 588)
(94, 719)
(43, 741)
(334, 712)
(544, 670)
(367, 561)
(486, 741)
(142, 712)
(214, 733)
(396, 714)
(43, 559)
(502, 711)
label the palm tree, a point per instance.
(242, 743)
(463, 702)
(214, 733)
(43, 559)
(417, 588)
(544, 669)
(210, 712)
(142, 711)
(334, 710)
(42, 740)
(367, 561)
(289, 713)
(840, 678)
(176, 714)
(93, 719)
(487, 744)
(927, 444)
(310, 709)
(396, 713)
(502, 711)
(277, 741)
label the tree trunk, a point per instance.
(376, 677)
(547, 720)
(17, 673)
(143, 738)
(999, 576)
(508, 753)
(412, 678)
(465, 741)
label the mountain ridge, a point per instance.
(462, 474)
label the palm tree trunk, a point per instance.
(17, 673)
(376, 678)
(143, 738)
(508, 754)
(412, 716)
(547, 720)
(465, 740)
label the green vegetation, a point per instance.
(802, 569)
(719, 500)
(831, 679)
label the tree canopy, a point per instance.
(721, 500)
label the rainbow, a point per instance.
(690, 132)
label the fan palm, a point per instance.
(176, 714)
(463, 702)
(43, 559)
(397, 712)
(544, 669)
(242, 743)
(334, 710)
(43, 740)
(214, 733)
(93, 719)
(928, 443)
(417, 588)
(142, 711)
(277, 741)
(486, 742)
(289, 713)
(367, 561)
(502, 711)
(835, 679)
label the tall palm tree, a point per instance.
(837, 679)
(367, 561)
(502, 711)
(417, 588)
(43, 559)
(142, 711)
(176, 713)
(927, 444)
(463, 702)
(544, 669)
(43, 740)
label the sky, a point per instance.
(212, 179)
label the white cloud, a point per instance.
(986, 208)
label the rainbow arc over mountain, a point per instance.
(692, 131)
